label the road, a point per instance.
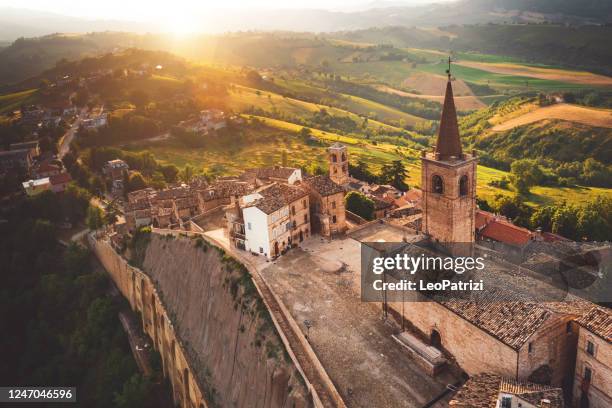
(69, 135)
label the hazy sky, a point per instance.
(185, 16)
(152, 9)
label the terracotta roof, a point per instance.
(224, 189)
(482, 391)
(337, 145)
(483, 218)
(324, 185)
(60, 178)
(599, 322)
(380, 204)
(276, 172)
(275, 196)
(506, 232)
(413, 194)
(449, 143)
(186, 202)
(511, 322)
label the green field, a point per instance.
(265, 148)
(242, 98)
(12, 101)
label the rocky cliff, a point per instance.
(238, 357)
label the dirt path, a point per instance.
(574, 77)
(562, 111)
(463, 103)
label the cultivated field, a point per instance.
(463, 103)
(563, 111)
(551, 74)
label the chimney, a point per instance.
(545, 403)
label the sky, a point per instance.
(142, 10)
(186, 16)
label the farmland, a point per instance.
(563, 111)
(265, 147)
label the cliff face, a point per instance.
(238, 357)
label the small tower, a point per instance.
(338, 164)
(448, 179)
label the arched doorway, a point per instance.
(301, 236)
(275, 249)
(435, 340)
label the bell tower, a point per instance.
(448, 180)
(338, 164)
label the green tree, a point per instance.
(170, 173)
(135, 391)
(525, 174)
(565, 221)
(394, 174)
(136, 182)
(187, 173)
(359, 204)
(95, 217)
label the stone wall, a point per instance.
(474, 350)
(599, 391)
(217, 346)
(553, 346)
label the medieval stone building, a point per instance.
(449, 183)
(338, 164)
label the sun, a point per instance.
(181, 24)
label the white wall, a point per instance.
(295, 176)
(257, 235)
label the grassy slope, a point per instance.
(12, 101)
(265, 149)
(245, 97)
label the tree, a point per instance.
(514, 209)
(394, 174)
(284, 160)
(305, 133)
(565, 221)
(359, 204)
(95, 217)
(525, 174)
(136, 182)
(362, 172)
(187, 173)
(134, 392)
(170, 173)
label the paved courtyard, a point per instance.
(319, 283)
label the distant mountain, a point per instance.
(15, 23)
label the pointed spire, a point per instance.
(448, 144)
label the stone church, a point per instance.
(514, 339)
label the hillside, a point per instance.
(583, 47)
(571, 113)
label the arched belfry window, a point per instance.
(437, 184)
(334, 158)
(343, 156)
(463, 186)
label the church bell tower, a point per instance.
(338, 164)
(448, 180)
